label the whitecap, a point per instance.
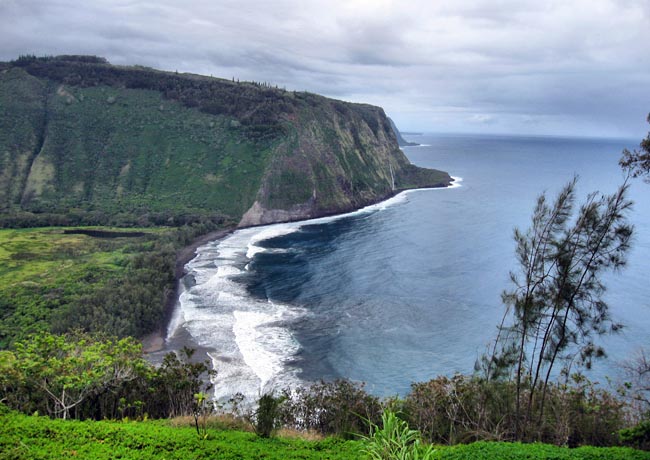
(248, 339)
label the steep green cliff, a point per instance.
(131, 145)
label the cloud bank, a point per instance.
(571, 67)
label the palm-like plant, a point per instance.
(395, 441)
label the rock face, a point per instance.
(131, 145)
(342, 156)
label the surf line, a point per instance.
(247, 339)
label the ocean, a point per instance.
(408, 289)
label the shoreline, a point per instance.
(154, 342)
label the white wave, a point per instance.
(176, 320)
(266, 233)
(249, 339)
(265, 345)
(457, 182)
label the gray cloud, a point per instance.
(564, 67)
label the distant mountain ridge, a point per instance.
(400, 140)
(137, 146)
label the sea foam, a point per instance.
(248, 339)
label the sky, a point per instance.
(549, 67)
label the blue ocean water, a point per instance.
(406, 290)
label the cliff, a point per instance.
(82, 139)
(400, 140)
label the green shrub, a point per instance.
(266, 418)
(395, 440)
(341, 407)
(638, 436)
(465, 409)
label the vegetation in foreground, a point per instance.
(33, 437)
(79, 376)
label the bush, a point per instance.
(266, 419)
(341, 407)
(465, 409)
(637, 436)
(395, 440)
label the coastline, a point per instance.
(155, 341)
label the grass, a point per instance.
(32, 437)
(24, 437)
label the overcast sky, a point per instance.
(576, 67)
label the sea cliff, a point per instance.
(87, 142)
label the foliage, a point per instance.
(202, 408)
(637, 436)
(179, 378)
(62, 279)
(88, 143)
(395, 440)
(465, 409)
(110, 155)
(254, 104)
(460, 409)
(83, 376)
(501, 450)
(637, 162)
(556, 306)
(64, 371)
(32, 437)
(266, 418)
(340, 407)
(636, 389)
(25, 437)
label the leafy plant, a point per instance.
(202, 408)
(638, 436)
(266, 418)
(637, 162)
(395, 441)
(67, 370)
(340, 407)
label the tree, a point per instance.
(555, 309)
(179, 379)
(638, 369)
(68, 369)
(638, 162)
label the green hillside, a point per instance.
(102, 144)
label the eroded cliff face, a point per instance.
(137, 146)
(340, 157)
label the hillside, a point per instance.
(86, 142)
